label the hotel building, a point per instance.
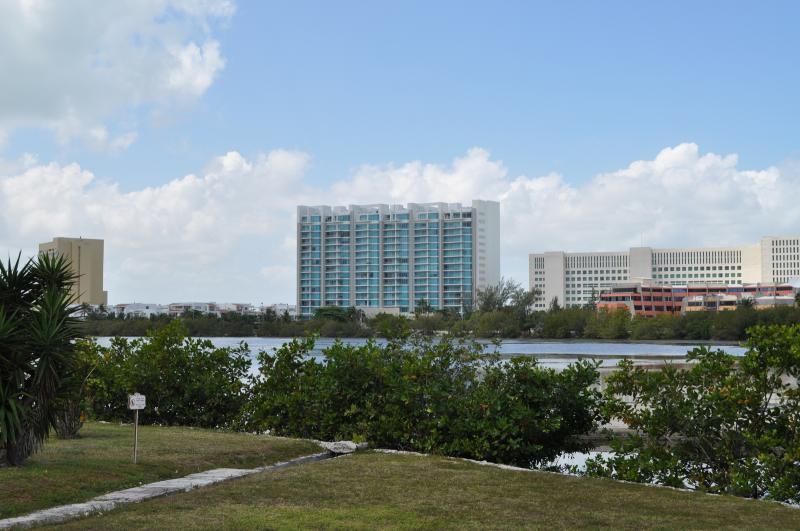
(391, 257)
(85, 257)
(578, 278)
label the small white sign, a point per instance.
(136, 401)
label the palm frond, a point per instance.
(53, 272)
(17, 284)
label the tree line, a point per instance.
(500, 311)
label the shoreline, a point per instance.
(566, 355)
(510, 340)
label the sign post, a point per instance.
(136, 402)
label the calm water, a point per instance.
(549, 353)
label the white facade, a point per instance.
(176, 309)
(487, 243)
(242, 308)
(139, 309)
(780, 258)
(575, 279)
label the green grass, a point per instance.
(372, 490)
(100, 461)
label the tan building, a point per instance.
(86, 257)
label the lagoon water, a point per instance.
(556, 354)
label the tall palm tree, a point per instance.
(37, 355)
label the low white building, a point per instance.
(140, 309)
(241, 308)
(176, 309)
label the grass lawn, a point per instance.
(372, 490)
(100, 461)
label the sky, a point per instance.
(184, 133)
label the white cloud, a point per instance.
(278, 279)
(196, 68)
(77, 67)
(229, 234)
(203, 8)
(471, 176)
(679, 198)
(26, 160)
(169, 241)
(100, 139)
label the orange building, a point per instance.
(650, 299)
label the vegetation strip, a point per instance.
(500, 311)
(148, 491)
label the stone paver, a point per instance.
(109, 501)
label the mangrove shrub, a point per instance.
(437, 396)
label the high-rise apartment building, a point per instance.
(393, 257)
(578, 278)
(86, 259)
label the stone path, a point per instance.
(109, 501)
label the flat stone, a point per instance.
(57, 514)
(340, 447)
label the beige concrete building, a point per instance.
(86, 257)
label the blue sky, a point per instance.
(571, 89)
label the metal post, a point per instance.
(135, 434)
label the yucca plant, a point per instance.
(70, 407)
(37, 356)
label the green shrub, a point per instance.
(725, 425)
(186, 381)
(664, 326)
(522, 414)
(436, 396)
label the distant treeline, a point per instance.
(497, 320)
(588, 323)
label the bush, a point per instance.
(525, 415)
(562, 323)
(607, 324)
(426, 395)
(665, 326)
(725, 425)
(186, 381)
